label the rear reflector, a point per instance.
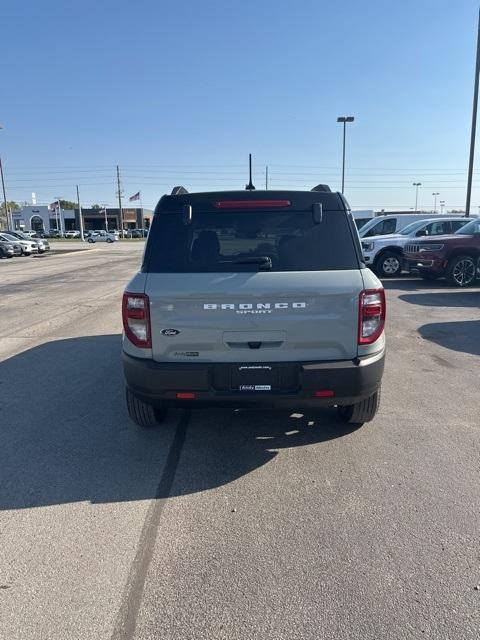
(324, 393)
(136, 319)
(251, 204)
(186, 396)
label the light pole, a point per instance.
(60, 217)
(80, 216)
(416, 185)
(435, 201)
(442, 205)
(106, 217)
(344, 119)
(474, 124)
(4, 195)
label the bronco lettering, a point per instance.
(259, 306)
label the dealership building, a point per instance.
(41, 218)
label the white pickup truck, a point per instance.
(384, 254)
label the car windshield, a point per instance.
(413, 226)
(250, 241)
(472, 227)
(10, 238)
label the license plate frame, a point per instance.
(254, 378)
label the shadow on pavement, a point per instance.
(409, 283)
(460, 298)
(461, 336)
(66, 437)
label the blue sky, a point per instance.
(180, 92)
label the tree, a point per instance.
(12, 206)
(96, 206)
(67, 204)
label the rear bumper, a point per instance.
(159, 383)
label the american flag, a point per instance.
(136, 196)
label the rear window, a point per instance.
(250, 241)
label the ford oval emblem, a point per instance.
(170, 332)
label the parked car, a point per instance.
(42, 245)
(253, 299)
(392, 223)
(72, 233)
(27, 246)
(6, 249)
(139, 233)
(384, 254)
(17, 247)
(102, 236)
(455, 257)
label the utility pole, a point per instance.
(80, 216)
(5, 198)
(266, 178)
(120, 201)
(435, 201)
(474, 124)
(106, 217)
(416, 185)
(442, 205)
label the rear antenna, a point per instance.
(249, 186)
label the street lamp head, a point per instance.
(417, 184)
(345, 119)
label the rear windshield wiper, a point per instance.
(264, 262)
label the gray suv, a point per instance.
(253, 298)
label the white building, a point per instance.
(39, 218)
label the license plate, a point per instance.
(254, 378)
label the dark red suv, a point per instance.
(455, 257)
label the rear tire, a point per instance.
(360, 412)
(461, 271)
(143, 414)
(90, 240)
(388, 265)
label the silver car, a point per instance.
(102, 236)
(27, 246)
(253, 298)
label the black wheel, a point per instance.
(461, 271)
(109, 240)
(388, 264)
(429, 276)
(91, 241)
(362, 411)
(142, 413)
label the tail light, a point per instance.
(136, 319)
(372, 315)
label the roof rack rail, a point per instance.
(322, 187)
(178, 191)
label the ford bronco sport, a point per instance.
(253, 298)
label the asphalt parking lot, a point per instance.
(231, 524)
